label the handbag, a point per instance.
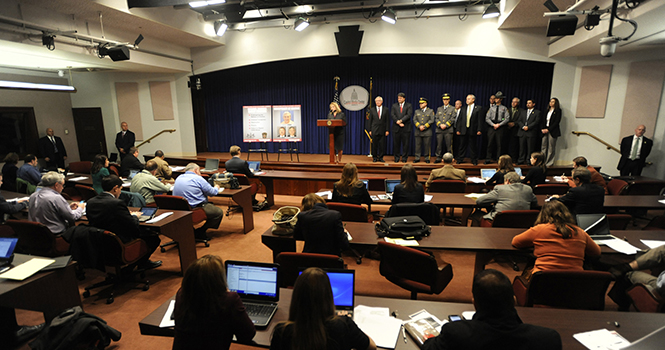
(224, 180)
(284, 220)
(407, 227)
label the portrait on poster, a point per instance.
(287, 123)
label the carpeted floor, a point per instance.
(132, 305)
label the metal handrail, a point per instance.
(155, 135)
(578, 133)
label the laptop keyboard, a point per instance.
(258, 309)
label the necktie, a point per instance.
(528, 113)
(55, 148)
(633, 152)
(400, 107)
(468, 117)
(379, 113)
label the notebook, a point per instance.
(212, 165)
(148, 213)
(342, 283)
(7, 246)
(254, 166)
(596, 225)
(390, 186)
(256, 284)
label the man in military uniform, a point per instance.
(444, 120)
(497, 118)
(423, 119)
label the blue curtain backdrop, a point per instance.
(309, 82)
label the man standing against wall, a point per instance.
(512, 142)
(53, 150)
(528, 132)
(634, 152)
(124, 140)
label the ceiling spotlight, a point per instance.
(220, 27)
(389, 16)
(196, 4)
(48, 41)
(491, 11)
(61, 73)
(301, 24)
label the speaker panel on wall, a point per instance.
(118, 53)
(348, 40)
(559, 26)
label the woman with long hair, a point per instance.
(338, 133)
(207, 315)
(549, 126)
(312, 321)
(505, 165)
(99, 171)
(558, 243)
(9, 172)
(409, 189)
(322, 229)
(349, 189)
(537, 172)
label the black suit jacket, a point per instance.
(555, 120)
(124, 142)
(109, 213)
(404, 116)
(377, 126)
(401, 195)
(533, 123)
(627, 143)
(46, 149)
(322, 229)
(585, 199)
(238, 166)
(475, 122)
(130, 163)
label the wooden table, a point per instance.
(633, 325)
(49, 292)
(178, 227)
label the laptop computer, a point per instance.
(147, 213)
(132, 173)
(256, 284)
(390, 186)
(254, 166)
(212, 165)
(486, 174)
(7, 246)
(366, 183)
(518, 171)
(596, 225)
(342, 283)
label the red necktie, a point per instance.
(379, 113)
(400, 108)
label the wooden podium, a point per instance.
(331, 124)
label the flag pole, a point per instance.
(369, 106)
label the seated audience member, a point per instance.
(537, 172)
(495, 325)
(9, 172)
(321, 228)
(447, 172)
(99, 171)
(195, 189)
(505, 165)
(164, 171)
(207, 315)
(10, 207)
(146, 184)
(50, 208)
(130, 162)
(629, 274)
(585, 197)
(29, 171)
(238, 166)
(349, 189)
(596, 178)
(105, 211)
(312, 321)
(558, 243)
(511, 196)
(409, 190)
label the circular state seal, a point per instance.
(354, 97)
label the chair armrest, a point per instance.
(644, 299)
(520, 288)
(133, 250)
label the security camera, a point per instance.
(608, 45)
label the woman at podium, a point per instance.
(336, 113)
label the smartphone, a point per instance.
(454, 318)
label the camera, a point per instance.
(608, 46)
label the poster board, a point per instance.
(287, 123)
(256, 124)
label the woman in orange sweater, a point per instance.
(558, 243)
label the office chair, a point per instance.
(616, 186)
(644, 299)
(512, 219)
(619, 221)
(566, 289)
(36, 239)
(551, 189)
(290, 265)
(119, 256)
(80, 167)
(426, 211)
(414, 270)
(164, 201)
(86, 192)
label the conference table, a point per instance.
(486, 242)
(632, 325)
(49, 292)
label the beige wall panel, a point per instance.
(128, 107)
(162, 104)
(594, 85)
(645, 87)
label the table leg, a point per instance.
(270, 190)
(182, 231)
(278, 245)
(466, 212)
(244, 200)
(482, 258)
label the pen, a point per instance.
(404, 333)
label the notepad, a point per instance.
(325, 194)
(601, 339)
(78, 178)
(159, 217)
(378, 325)
(27, 269)
(166, 320)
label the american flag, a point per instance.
(336, 97)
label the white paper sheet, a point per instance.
(166, 320)
(14, 200)
(474, 195)
(601, 339)
(177, 168)
(402, 242)
(468, 315)
(325, 194)
(621, 246)
(27, 269)
(159, 217)
(475, 180)
(78, 178)
(651, 243)
(662, 201)
(428, 197)
(376, 323)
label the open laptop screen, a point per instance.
(487, 173)
(518, 171)
(132, 173)
(254, 165)
(390, 185)
(253, 280)
(7, 246)
(212, 164)
(342, 283)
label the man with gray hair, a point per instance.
(513, 195)
(195, 189)
(379, 128)
(50, 208)
(585, 197)
(147, 184)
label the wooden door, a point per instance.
(89, 132)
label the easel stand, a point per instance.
(263, 148)
(290, 149)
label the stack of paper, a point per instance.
(378, 325)
(475, 180)
(27, 269)
(159, 217)
(325, 194)
(402, 242)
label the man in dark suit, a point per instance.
(467, 127)
(238, 166)
(53, 150)
(512, 141)
(124, 140)
(495, 324)
(401, 113)
(105, 211)
(634, 152)
(379, 128)
(586, 197)
(527, 132)
(131, 162)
